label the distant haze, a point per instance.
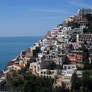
(36, 17)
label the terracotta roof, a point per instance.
(10, 63)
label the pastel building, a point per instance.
(69, 19)
(66, 75)
(47, 73)
(75, 56)
(16, 67)
(34, 68)
(81, 20)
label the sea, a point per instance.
(10, 47)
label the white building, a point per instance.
(69, 67)
(84, 11)
(68, 70)
(77, 30)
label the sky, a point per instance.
(36, 17)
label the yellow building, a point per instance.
(16, 67)
(69, 19)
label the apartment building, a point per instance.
(84, 11)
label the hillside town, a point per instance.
(60, 53)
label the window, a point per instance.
(69, 67)
(34, 66)
(73, 67)
(65, 67)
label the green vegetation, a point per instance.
(82, 84)
(89, 18)
(60, 89)
(88, 30)
(75, 83)
(29, 83)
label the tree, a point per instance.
(61, 89)
(86, 81)
(76, 83)
(29, 83)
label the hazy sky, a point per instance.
(36, 17)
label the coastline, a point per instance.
(10, 47)
(64, 54)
